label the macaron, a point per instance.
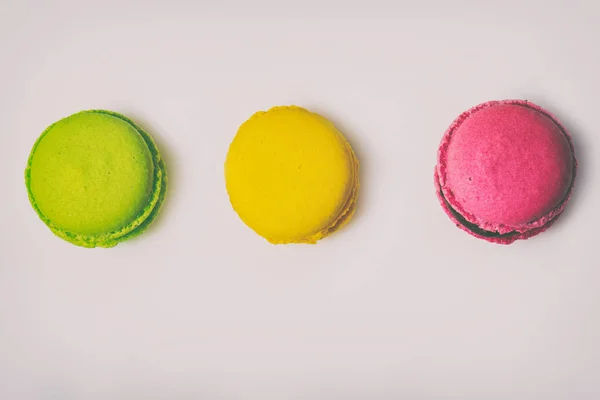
(505, 170)
(96, 179)
(291, 175)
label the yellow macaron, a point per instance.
(291, 175)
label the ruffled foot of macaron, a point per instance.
(505, 170)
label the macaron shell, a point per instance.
(84, 163)
(291, 175)
(105, 230)
(506, 166)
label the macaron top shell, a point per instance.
(95, 177)
(291, 175)
(506, 166)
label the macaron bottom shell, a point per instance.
(138, 219)
(476, 231)
(342, 218)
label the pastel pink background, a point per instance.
(400, 304)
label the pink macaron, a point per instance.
(505, 170)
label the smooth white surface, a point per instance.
(399, 305)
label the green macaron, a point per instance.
(96, 178)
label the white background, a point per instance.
(398, 305)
